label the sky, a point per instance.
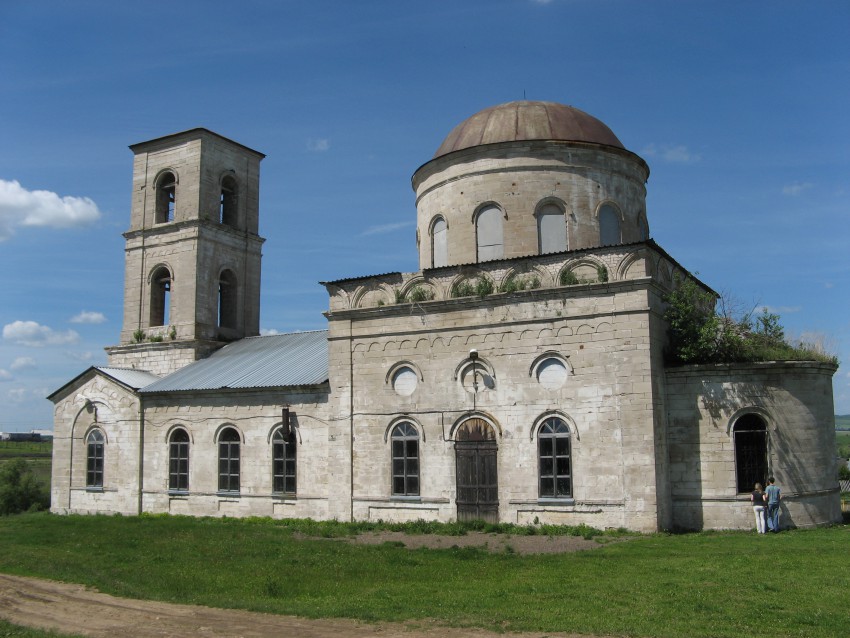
(739, 108)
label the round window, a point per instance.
(552, 373)
(405, 382)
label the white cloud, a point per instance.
(16, 394)
(20, 207)
(30, 333)
(675, 154)
(5, 375)
(319, 145)
(87, 316)
(268, 331)
(85, 357)
(796, 188)
(22, 363)
(386, 228)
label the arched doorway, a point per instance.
(477, 479)
(750, 437)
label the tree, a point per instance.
(706, 328)
(20, 491)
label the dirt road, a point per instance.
(74, 609)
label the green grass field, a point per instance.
(8, 630)
(842, 444)
(723, 584)
(38, 455)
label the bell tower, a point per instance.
(192, 253)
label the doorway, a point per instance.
(477, 480)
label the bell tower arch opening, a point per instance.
(195, 207)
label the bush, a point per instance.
(568, 278)
(20, 491)
(601, 274)
(699, 333)
(463, 289)
(481, 288)
(418, 293)
(843, 471)
(518, 283)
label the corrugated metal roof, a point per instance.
(292, 359)
(128, 376)
(340, 281)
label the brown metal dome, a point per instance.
(526, 120)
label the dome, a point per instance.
(526, 120)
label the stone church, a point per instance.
(518, 376)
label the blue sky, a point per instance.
(740, 109)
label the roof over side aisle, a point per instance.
(292, 359)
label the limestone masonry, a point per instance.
(518, 376)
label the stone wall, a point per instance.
(255, 415)
(519, 177)
(95, 401)
(795, 401)
(601, 330)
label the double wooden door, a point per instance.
(477, 478)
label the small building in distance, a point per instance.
(518, 376)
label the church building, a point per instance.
(518, 376)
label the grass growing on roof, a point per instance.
(659, 585)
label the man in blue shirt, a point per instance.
(773, 496)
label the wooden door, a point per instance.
(477, 479)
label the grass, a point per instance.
(842, 444)
(8, 630)
(711, 584)
(38, 455)
(15, 449)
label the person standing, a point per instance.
(757, 499)
(773, 496)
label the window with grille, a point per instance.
(94, 458)
(553, 442)
(283, 462)
(178, 461)
(405, 451)
(228, 461)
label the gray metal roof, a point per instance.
(292, 359)
(128, 376)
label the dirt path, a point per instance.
(73, 609)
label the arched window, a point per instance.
(405, 449)
(439, 243)
(488, 233)
(283, 462)
(94, 458)
(178, 461)
(166, 189)
(551, 229)
(228, 460)
(160, 297)
(750, 435)
(553, 445)
(609, 226)
(227, 300)
(228, 214)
